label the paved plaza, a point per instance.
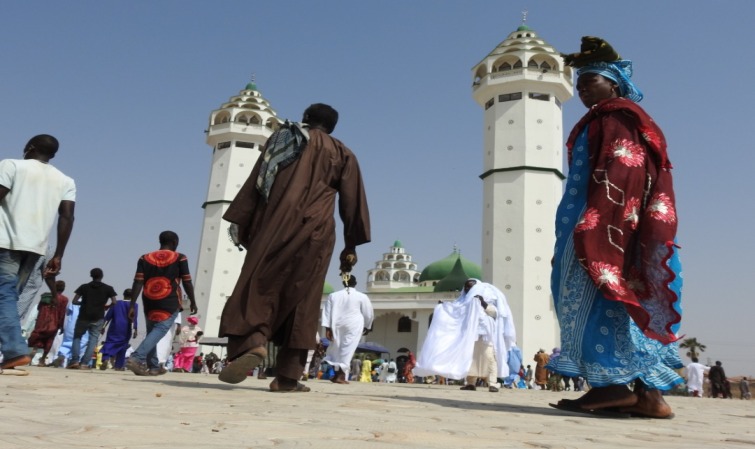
(57, 408)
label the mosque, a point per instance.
(521, 86)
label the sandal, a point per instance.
(241, 366)
(298, 388)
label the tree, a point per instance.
(693, 347)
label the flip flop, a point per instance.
(601, 412)
(13, 372)
(237, 370)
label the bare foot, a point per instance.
(604, 397)
(650, 404)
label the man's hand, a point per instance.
(482, 302)
(134, 334)
(53, 266)
(131, 314)
(329, 334)
(366, 331)
(193, 307)
(348, 260)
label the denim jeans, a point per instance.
(93, 328)
(156, 330)
(15, 267)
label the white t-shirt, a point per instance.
(29, 210)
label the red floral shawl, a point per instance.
(626, 235)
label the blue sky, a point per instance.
(128, 87)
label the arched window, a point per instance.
(503, 67)
(382, 276)
(545, 65)
(404, 324)
(255, 120)
(532, 64)
(401, 276)
(518, 65)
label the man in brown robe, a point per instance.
(284, 215)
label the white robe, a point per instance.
(347, 313)
(449, 344)
(695, 375)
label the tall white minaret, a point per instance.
(237, 132)
(521, 85)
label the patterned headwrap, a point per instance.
(598, 56)
(620, 73)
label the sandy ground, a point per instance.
(57, 408)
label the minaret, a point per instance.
(521, 85)
(396, 270)
(237, 132)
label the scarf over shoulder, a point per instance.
(626, 235)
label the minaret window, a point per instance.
(223, 145)
(255, 120)
(242, 144)
(545, 65)
(401, 276)
(510, 97)
(221, 118)
(539, 96)
(490, 103)
(382, 276)
(503, 67)
(518, 65)
(532, 64)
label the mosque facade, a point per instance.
(521, 85)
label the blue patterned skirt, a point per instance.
(599, 340)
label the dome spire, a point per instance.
(251, 85)
(524, 26)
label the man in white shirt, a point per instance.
(695, 374)
(346, 316)
(33, 194)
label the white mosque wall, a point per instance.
(218, 267)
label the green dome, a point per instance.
(250, 86)
(524, 28)
(442, 268)
(397, 244)
(327, 288)
(455, 280)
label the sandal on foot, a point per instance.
(600, 412)
(13, 372)
(298, 388)
(239, 368)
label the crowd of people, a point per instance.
(615, 280)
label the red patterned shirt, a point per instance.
(161, 272)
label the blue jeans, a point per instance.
(93, 328)
(15, 267)
(156, 330)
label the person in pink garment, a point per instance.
(188, 338)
